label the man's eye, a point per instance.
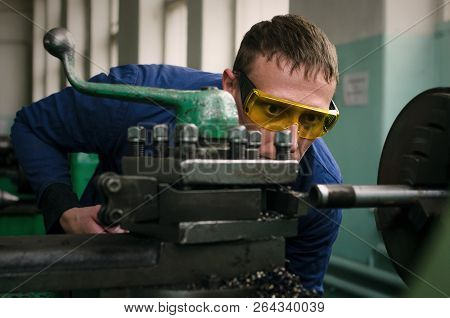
(274, 110)
(309, 118)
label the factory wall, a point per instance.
(94, 27)
(411, 64)
(15, 61)
(442, 42)
(202, 34)
(216, 28)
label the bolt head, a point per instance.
(160, 132)
(238, 134)
(113, 184)
(209, 88)
(254, 138)
(116, 215)
(283, 138)
(137, 134)
(186, 133)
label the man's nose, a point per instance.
(294, 138)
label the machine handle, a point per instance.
(60, 43)
(209, 108)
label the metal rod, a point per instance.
(59, 42)
(350, 196)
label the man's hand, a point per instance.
(85, 221)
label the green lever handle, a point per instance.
(212, 110)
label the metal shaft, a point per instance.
(349, 196)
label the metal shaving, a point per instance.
(270, 215)
(277, 283)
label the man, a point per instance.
(288, 58)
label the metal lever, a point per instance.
(212, 110)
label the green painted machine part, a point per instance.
(212, 110)
(82, 167)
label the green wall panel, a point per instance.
(442, 43)
(409, 69)
(356, 144)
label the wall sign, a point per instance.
(356, 89)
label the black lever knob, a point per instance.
(59, 42)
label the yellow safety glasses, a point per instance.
(273, 113)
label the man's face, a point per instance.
(277, 80)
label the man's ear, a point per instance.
(230, 83)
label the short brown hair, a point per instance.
(293, 39)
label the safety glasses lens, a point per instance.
(277, 115)
(271, 116)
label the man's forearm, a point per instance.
(56, 199)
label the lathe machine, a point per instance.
(208, 217)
